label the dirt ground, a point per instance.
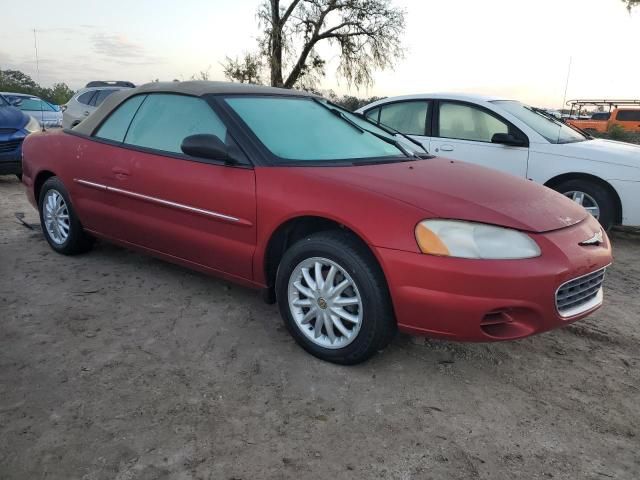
(114, 365)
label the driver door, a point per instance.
(464, 132)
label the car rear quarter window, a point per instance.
(406, 117)
(163, 121)
(465, 122)
(85, 98)
(115, 126)
(373, 114)
(101, 95)
(600, 116)
(628, 115)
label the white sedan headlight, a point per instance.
(458, 238)
(32, 125)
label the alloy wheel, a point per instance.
(56, 216)
(325, 302)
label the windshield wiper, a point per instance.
(390, 141)
(393, 131)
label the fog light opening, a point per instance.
(497, 324)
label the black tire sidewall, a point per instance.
(375, 302)
(599, 193)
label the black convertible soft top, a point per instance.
(195, 88)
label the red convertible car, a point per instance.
(350, 228)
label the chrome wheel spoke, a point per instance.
(338, 289)
(307, 292)
(302, 302)
(317, 329)
(346, 301)
(328, 326)
(339, 325)
(310, 315)
(578, 197)
(342, 313)
(318, 274)
(307, 278)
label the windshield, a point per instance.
(32, 104)
(553, 130)
(3, 102)
(300, 129)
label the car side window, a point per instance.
(465, 122)
(165, 120)
(407, 117)
(85, 98)
(115, 126)
(101, 95)
(373, 114)
(628, 115)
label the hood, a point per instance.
(459, 190)
(600, 150)
(11, 117)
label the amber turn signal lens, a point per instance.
(429, 242)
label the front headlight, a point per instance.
(458, 238)
(32, 125)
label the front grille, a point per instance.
(10, 146)
(7, 131)
(580, 294)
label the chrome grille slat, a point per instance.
(580, 294)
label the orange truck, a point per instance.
(627, 117)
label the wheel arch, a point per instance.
(558, 179)
(295, 228)
(41, 177)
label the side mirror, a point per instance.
(507, 139)
(206, 146)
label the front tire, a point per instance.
(595, 198)
(334, 299)
(60, 224)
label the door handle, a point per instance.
(120, 173)
(86, 114)
(446, 148)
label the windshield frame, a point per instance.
(549, 118)
(4, 102)
(269, 158)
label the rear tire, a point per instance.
(60, 224)
(354, 323)
(594, 193)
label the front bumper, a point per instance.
(11, 156)
(489, 300)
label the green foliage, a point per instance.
(617, 132)
(59, 94)
(19, 82)
(244, 70)
(350, 102)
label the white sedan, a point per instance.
(601, 175)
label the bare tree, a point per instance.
(366, 34)
(631, 4)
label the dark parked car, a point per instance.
(14, 127)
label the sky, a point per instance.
(514, 49)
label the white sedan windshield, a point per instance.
(553, 130)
